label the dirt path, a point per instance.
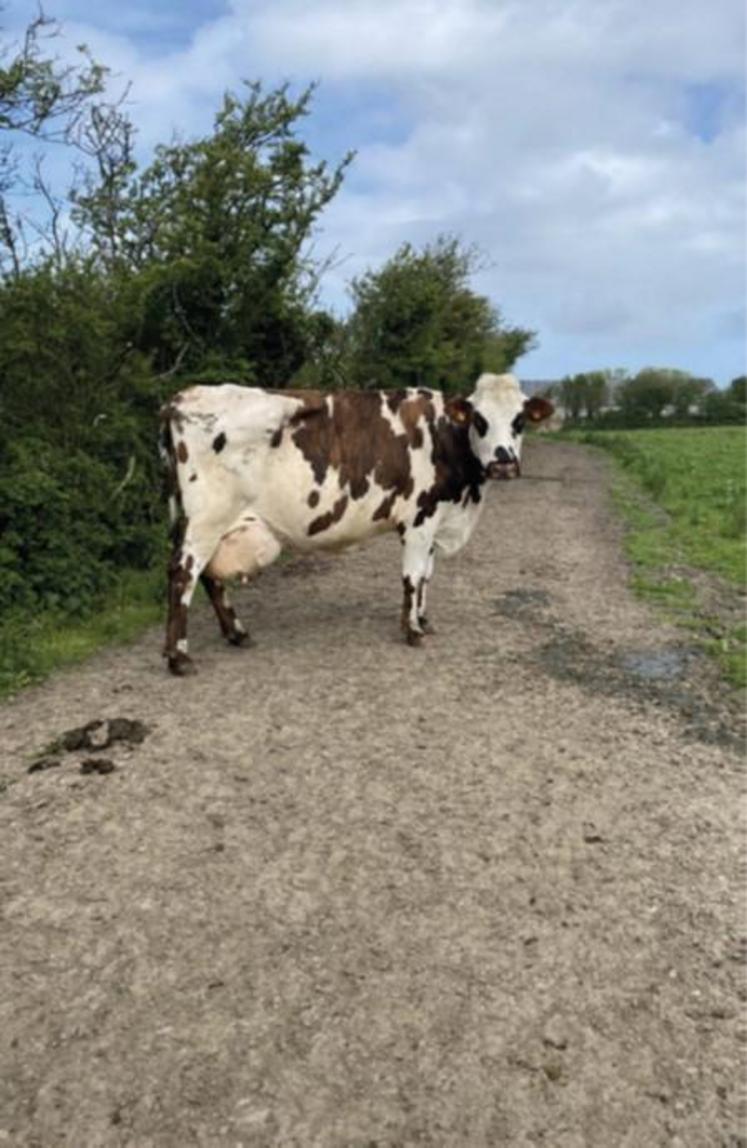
(348, 894)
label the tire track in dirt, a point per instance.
(347, 893)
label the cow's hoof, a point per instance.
(239, 638)
(413, 638)
(425, 625)
(181, 665)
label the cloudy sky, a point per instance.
(594, 150)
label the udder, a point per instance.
(244, 549)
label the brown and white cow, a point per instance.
(254, 471)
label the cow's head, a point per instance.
(497, 412)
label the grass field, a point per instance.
(682, 492)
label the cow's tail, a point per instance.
(168, 460)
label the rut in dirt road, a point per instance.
(347, 893)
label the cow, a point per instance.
(253, 471)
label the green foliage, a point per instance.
(655, 396)
(737, 389)
(210, 239)
(416, 322)
(79, 477)
(722, 408)
(653, 392)
(41, 96)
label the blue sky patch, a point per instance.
(708, 107)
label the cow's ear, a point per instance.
(459, 410)
(537, 409)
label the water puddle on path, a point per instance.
(655, 665)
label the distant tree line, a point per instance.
(652, 397)
(194, 267)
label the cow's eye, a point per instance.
(479, 423)
(517, 426)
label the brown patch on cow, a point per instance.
(324, 521)
(181, 451)
(193, 478)
(170, 478)
(384, 509)
(411, 411)
(225, 613)
(179, 578)
(459, 474)
(358, 442)
(219, 442)
(313, 499)
(413, 637)
(409, 590)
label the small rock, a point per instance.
(553, 1070)
(97, 765)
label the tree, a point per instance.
(656, 392)
(417, 322)
(723, 407)
(584, 394)
(737, 389)
(571, 394)
(195, 263)
(53, 103)
(212, 236)
(688, 393)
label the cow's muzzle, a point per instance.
(504, 470)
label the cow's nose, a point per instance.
(503, 456)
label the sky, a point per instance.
(592, 150)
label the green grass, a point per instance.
(30, 648)
(682, 493)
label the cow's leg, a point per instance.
(230, 626)
(422, 595)
(189, 556)
(414, 575)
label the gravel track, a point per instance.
(349, 894)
